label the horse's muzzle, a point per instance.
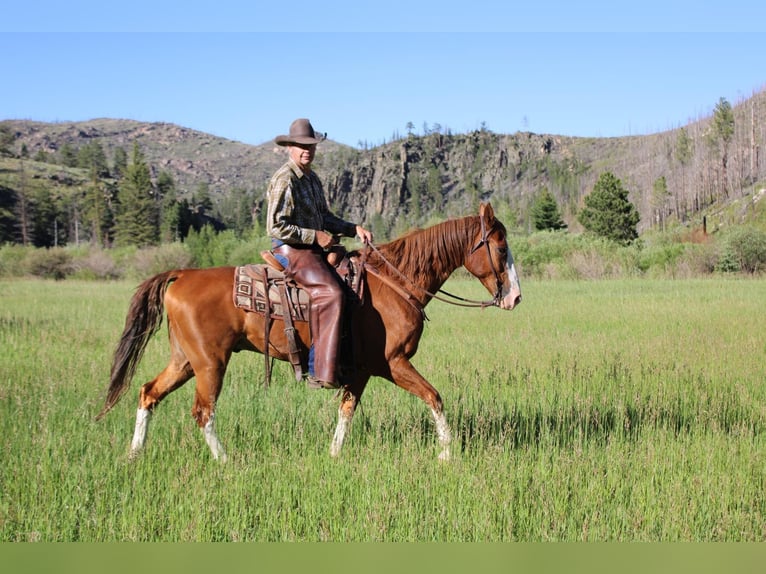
(511, 293)
(511, 300)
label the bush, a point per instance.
(552, 255)
(536, 252)
(152, 260)
(95, 264)
(211, 249)
(12, 259)
(249, 251)
(744, 249)
(660, 258)
(52, 263)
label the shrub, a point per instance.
(211, 249)
(744, 249)
(12, 259)
(536, 252)
(660, 257)
(95, 264)
(152, 260)
(52, 263)
(249, 251)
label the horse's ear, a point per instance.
(487, 213)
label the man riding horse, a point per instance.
(302, 228)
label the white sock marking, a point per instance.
(443, 432)
(143, 416)
(212, 440)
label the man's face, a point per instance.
(303, 155)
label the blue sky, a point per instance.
(245, 70)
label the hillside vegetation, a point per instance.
(60, 183)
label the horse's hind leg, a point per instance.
(173, 376)
(209, 383)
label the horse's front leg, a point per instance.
(346, 412)
(443, 432)
(407, 377)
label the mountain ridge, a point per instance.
(417, 178)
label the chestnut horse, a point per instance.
(402, 277)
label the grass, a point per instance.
(627, 410)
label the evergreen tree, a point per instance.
(91, 156)
(684, 155)
(237, 211)
(720, 136)
(120, 162)
(43, 218)
(68, 155)
(608, 212)
(7, 218)
(202, 202)
(545, 213)
(96, 211)
(7, 138)
(136, 220)
(659, 200)
(171, 211)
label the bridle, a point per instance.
(485, 241)
(454, 299)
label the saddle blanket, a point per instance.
(257, 289)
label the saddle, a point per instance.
(263, 289)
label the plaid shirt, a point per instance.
(298, 208)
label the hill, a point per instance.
(673, 175)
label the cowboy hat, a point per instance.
(301, 132)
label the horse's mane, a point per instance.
(436, 250)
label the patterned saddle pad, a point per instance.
(256, 288)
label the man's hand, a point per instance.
(364, 235)
(324, 239)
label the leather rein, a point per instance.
(454, 299)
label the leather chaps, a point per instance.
(308, 267)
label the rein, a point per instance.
(458, 301)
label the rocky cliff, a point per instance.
(416, 179)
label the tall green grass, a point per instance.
(605, 410)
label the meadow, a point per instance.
(608, 410)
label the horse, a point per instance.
(402, 276)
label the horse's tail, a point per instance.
(143, 320)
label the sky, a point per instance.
(245, 70)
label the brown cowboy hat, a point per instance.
(301, 132)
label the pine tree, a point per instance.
(659, 200)
(608, 212)
(96, 210)
(136, 221)
(43, 217)
(720, 136)
(202, 201)
(120, 162)
(545, 213)
(68, 155)
(171, 215)
(684, 155)
(91, 156)
(7, 138)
